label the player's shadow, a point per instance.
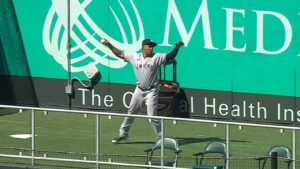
(186, 140)
(192, 140)
(138, 142)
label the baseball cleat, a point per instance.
(118, 139)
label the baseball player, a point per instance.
(146, 66)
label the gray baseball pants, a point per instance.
(150, 98)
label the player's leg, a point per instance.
(151, 101)
(134, 107)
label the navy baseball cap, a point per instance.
(149, 42)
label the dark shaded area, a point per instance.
(16, 86)
(172, 100)
(187, 140)
(181, 106)
(138, 142)
(17, 90)
(192, 140)
(4, 112)
(173, 104)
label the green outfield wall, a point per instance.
(240, 61)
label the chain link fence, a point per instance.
(21, 158)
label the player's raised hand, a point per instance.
(104, 41)
(179, 44)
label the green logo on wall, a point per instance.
(235, 45)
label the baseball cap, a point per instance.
(148, 42)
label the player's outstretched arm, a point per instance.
(174, 52)
(116, 51)
(179, 44)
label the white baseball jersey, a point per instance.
(145, 69)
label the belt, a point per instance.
(142, 89)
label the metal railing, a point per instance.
(97, 161)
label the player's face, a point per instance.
(147, 49)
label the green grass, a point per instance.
(69, 132)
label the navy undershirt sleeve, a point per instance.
(172, 54)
